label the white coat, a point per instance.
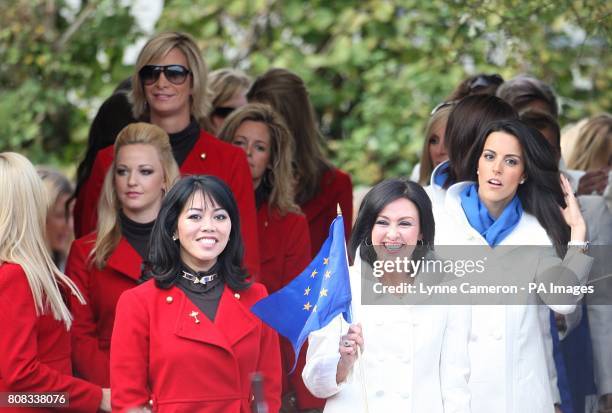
(507, 347)
(415, 359)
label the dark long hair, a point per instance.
(114, 114)
(469, 116)
(541, 194)
(376, 200)
(164, 253)
(287, 94)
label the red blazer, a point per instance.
(336, 188)
(35, 349)
(284, 247)
(93, 322)
(209, 156)
(160, 353)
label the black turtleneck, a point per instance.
(183, 142)
(205, 296)
(136, 234)
(262, 192)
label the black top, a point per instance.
(205, 296)
(136, 234)
(183, 142)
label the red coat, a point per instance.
(93, 322)
(209, 156)
(284, 247)
(160, 353)
(336, 188)
(35, 349)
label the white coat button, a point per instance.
(379, 322)
(405, 395)
(381, 358)
(380, 393)
(203, 155)
(498, 335)
(169, 299)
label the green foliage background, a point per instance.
(374, 68)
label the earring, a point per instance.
(174, 237)
(477, 172)
(365, 242)
(522, 182)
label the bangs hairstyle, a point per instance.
(465, 122)
(225, 83)
(164, 254)
(541, 194)
(23, 213)
(376, 200)
(287, 94)
(155, 50)
(439, 116)
(109, 227)
(594, 144)
(279, 176)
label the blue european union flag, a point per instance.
(313, 298)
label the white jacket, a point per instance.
(415, 359)
(508, 352)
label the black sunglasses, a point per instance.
(483, 81)
(222, 112)
(176, 74)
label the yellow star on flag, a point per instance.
(325, 261)
(307, 291)
(327, 274)
(314, 273)
(307, 306)
(323, 292)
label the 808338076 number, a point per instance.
(33, 399)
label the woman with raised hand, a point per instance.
(320, 187)
(413, 358)
(515, 197)
(35, 338)
(186, 340)
(169, 89)
(105, 263)
(284, 242)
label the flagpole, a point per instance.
(362, 372)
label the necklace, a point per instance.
(199, 280)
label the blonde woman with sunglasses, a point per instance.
(170, 90)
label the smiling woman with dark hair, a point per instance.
(194, 313)
(416, 358)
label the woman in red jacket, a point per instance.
(284, 242)
(34, 342)
(169, 89)
(186, 341)
(319, 186)
(106, 263)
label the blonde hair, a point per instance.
(440, 115)
(109, 229)
(155, 49)
(279, 176)
(23, 213)
(225, 83)
(594, 144)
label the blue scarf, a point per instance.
(441, 173)
(493, 230)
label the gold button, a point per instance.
(203, 155)
(169, 299)
(237, 296)
(150, 402)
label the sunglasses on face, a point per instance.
(222, 112)
(175, 74)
